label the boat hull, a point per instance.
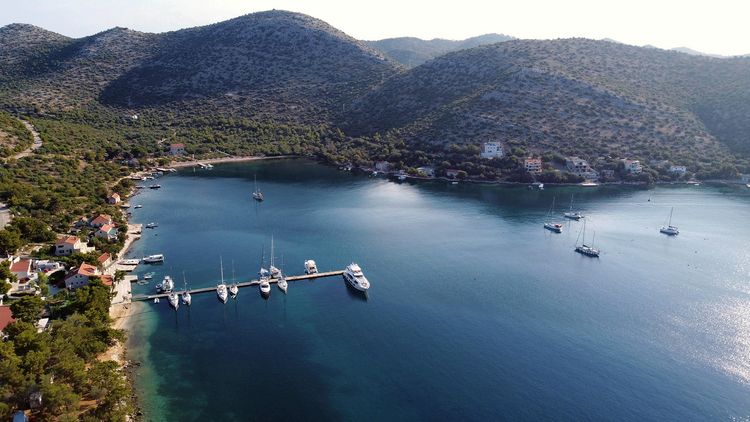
(553, 228)
(354, 284)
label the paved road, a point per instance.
(34, 146)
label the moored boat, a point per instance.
(669, 229)
(174, 300)
(356, 278)
(585, 249)
(552, 226)
(221, 288)
(151, 225)
(572, 215)
(152, 259)
(265, 287)
(310, 267)
(282, 284)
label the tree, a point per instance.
(10, 241)
(27, 308)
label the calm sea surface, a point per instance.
(475, 311)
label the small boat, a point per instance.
(573, 215)
(310, 267)
(748, 185)
(585, 249)
(148, 276)
(233, 289)
(151, 225)
(156, 300)
(221, 288)
(154, 186)
(669, 229)
(174, 300)
(454, 183)
(187, 299)
(257, 194)
(282, 284)
(401, 177)
(354, 276)
(588, 184)
(554, 227)
(541, 186)
(274, 272)
(132, 261)
(265, 287)
(166, 286)
(152, 259)
(209, 166)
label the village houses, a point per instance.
(68, 245)
(79, 277)
(580, 167)
(632, 166)
(100, 220)
(492, 150)
(678, 169)
(107, 231)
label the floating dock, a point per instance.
(240, 285)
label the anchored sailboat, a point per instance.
(573, 215)
(257, 194)
(554, 227)
(669, 229)
(583, 248)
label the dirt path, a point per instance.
(34, 146)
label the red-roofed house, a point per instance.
(104, 260)
(67, 245)
(177, 149)
(114, 198)
(22, 269)
(101, 220)
(79, 277)
(107, 280)
(6, 317)
(107, 231)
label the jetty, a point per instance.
(250, 283)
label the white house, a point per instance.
(68, 245)
(107, 231)
(678, 169)
(632, 166)
(492, 150)
(21, 267)
(176, 149)
(80, 276)
(533, 165)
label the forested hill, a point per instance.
(411, 51)
(574, 96)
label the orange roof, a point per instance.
(115, 195)
(107, 280)
(6, 317)
(86, 269)
(68, 240)
(177, 146)
(107, 227)
(101, 219)
(21, 266)
(103, 257)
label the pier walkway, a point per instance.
(240, 285)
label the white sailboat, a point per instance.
(221, 289)
(282, 284)
(233, 289)
(585, 249)
(265, 287)
(174, 300)
(274, 272)
(551, 226)
(669, 229)
(187, 299)
(257, 194)
(573, 215)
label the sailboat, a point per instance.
(186, 297)
(669, 229)
(554, 227)
(233, 289)
(257, 194)
(275, 272)
(583, 248)
(573, 215)
(282, 284)
(221, 289)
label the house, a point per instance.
(6, 317)
(104, 260)
(492, 150)
(68, 245)
(533, 165)
(632, 166)
(45, 265)
(113, 198)
(79, 277)
(100, 220)
(383, 166)
(580, 167)
(107, 231)
(177, 149)
(608, 173)
(451, 173)
(426, 171)
(678, 169)
(21, 267)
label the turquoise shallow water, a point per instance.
(475, 312)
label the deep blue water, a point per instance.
(475, 311)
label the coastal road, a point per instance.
(34, 146)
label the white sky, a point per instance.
(716, 26)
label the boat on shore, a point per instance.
(669, 229)
(153, 259)
(310, 267)
(356, 278)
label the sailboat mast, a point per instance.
(272, 250)
(221, 263)
(670, 216)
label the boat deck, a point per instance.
(240, 285)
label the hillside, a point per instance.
(411, 51)
(269, 65)
(572, 96)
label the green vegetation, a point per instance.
(61, 362)
(14, 137)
